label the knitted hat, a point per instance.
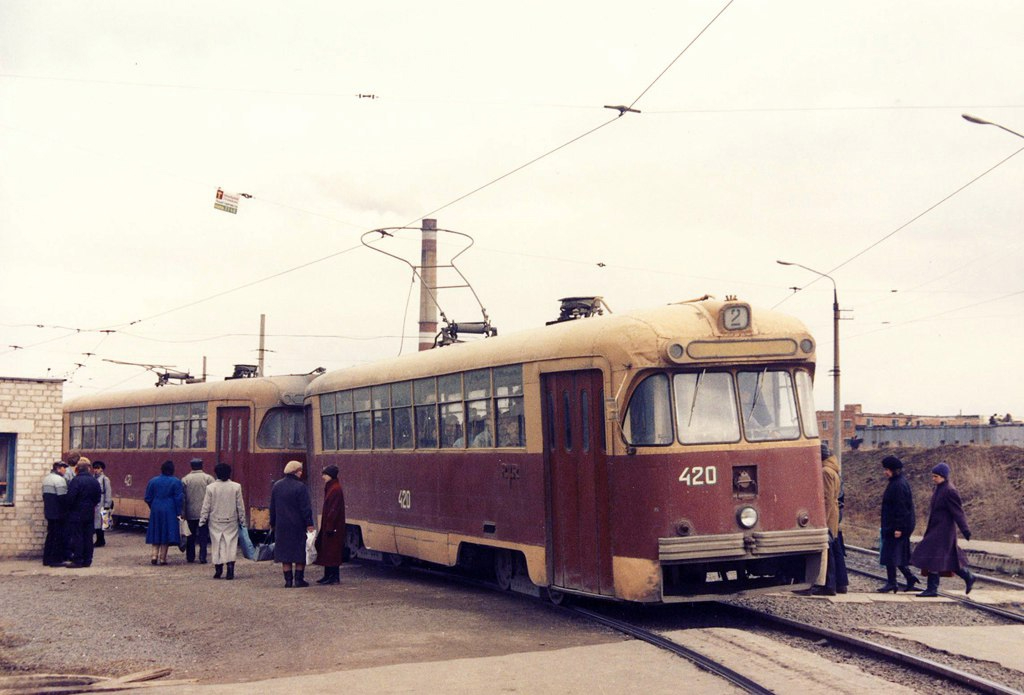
(892, 463)
(331, 471)
(942, 469)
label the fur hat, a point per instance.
(892, 463)
(292, 467)
(942, 469)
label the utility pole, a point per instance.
(263, 328)
(428, 284)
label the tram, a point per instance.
(666, 455)
(254, 424)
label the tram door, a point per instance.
(580, 549)
(233, 445)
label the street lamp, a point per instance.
(981, 121)
(837, 408)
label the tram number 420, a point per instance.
(699, 475)
(405, 499)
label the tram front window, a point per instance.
(706, 408)
(768, 405)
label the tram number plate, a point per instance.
(699, 475)
(405, 499)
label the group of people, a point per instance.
(936, 555)
(210, 507)
(74, 505)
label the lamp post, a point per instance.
(981, 121)
(837, 407)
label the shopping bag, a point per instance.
(310, 547)
(106, 520)
(265, 550)
(245, 542)
(183, 533)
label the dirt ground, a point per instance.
(124, 615)
(990, 480)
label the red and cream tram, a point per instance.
(665, 455)
(254, 424)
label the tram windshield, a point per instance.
(710, 407)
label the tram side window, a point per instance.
(364, 426)
(117, 428)
(508, 405)
(805, 394)
(401, 415)
(768, 405)
(197, 426)
(453, 420)
(75, 434)
(648, 417)
(131, 428)
(425, 409)
(706, 408)
(479, 421)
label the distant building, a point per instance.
(879, 430)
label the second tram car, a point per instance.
(255, 425)
(659, 456)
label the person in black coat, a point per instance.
(937, 554)
(84, 494)
(291, 517)
(898, 522)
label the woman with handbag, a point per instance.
(165, 496)
(223, 513)
(330, 541)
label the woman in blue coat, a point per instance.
(937, 554)
(165, 496)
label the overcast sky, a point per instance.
(824, 133)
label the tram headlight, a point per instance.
(747, 517)
(807, 345)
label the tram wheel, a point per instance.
(504, 568)
(557, 597)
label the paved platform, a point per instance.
(1003, 644)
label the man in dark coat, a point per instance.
(937, 553)
(55, 509)
(84, 494)
(897, 523)
(330, 541)
(291, 517)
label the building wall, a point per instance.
(30, 411)
(856, 422)
(930, 437)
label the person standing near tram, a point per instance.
(897, 523)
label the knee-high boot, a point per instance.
(288, 579)
(231, 571)
(299, 579)
(968, 578)
(933, 586)
(217, 569)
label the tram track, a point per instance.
(1014, 615)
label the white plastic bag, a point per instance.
(310, 547)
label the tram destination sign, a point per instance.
(228, 202)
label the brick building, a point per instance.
(30, 441)
(856, 421)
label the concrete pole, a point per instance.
(428, 281)
(263, 329)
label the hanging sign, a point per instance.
(228, 202)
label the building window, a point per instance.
(824, 425)
(870, 422)
(7, 460)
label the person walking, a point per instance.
(937, 553)
(83, 495)
(897, 523)
(55, 509)
(222, 513)
(195, 484)
(836, 578)
(106, 501)
(330, 540)
(291, 518)
(165, 496)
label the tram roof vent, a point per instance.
(580, 308)
(244, 371)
